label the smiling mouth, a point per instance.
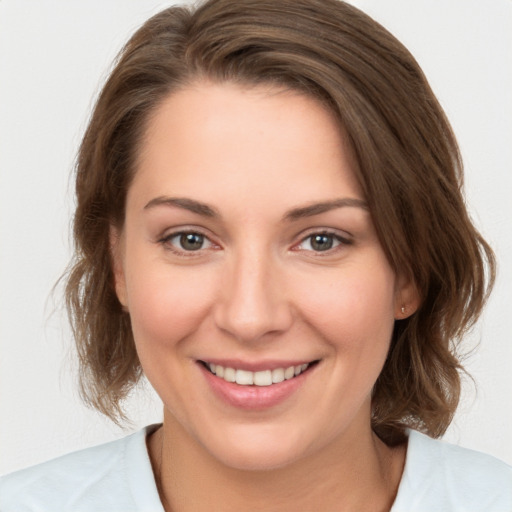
(260, 378)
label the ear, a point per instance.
(407, 298)
(117, 258)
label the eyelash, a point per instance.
(335, 238)
(166, 241)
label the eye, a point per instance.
(322, 242)
(188, 241)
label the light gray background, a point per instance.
(53, 57)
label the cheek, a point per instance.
(354, 309)
(166, 304)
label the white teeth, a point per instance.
(289, 373)
(229, 375)
(261, 378)
(277, 375)
(244, 378)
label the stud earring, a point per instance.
(402, 309)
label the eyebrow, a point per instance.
(206, 210)
(325, 206)
(184, 203)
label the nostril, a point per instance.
(252, 322)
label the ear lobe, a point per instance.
(407, 298)
(116, 256)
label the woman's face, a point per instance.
(248, 246)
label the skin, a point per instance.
(255, 290)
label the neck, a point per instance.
(355, 472)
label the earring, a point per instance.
(402, 309)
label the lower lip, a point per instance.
(254, 397)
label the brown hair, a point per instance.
(409, 169)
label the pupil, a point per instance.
(321, 242)
(191, 241)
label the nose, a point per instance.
(253, 303)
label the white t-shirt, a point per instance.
(117, 477)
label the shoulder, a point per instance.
(97, 478)
(442, 476)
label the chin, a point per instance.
(261, 450)
(266, 459)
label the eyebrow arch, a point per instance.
(325, 206)
(184, 203)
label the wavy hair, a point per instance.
(409, 168)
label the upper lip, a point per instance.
(257, 366)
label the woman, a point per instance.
(258, 195)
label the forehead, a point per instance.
(224, 140)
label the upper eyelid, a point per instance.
(169, 233)
(343, 237)
(337, 233)
(166, 242)
(172, 232)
